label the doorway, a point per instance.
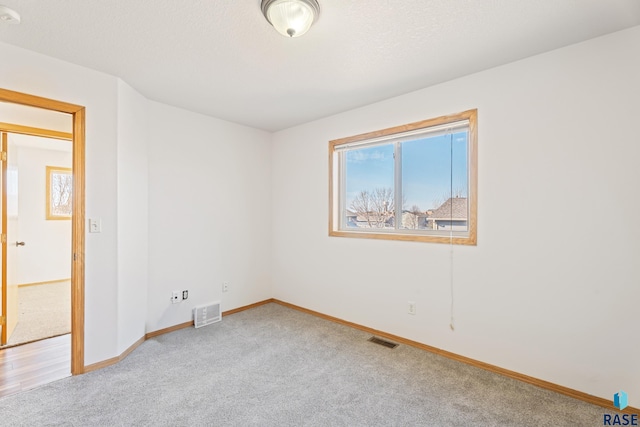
(76, 255)
(37, 191)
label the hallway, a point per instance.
(30, 365)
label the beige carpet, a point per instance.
(274, 366)
(43, 311)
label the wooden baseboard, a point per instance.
(608, 404)
(167, 330)
(247, 307)
(24, 285)
(113, 360)
(188, 324)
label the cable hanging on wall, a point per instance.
(451, 322)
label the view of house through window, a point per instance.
(414, 181)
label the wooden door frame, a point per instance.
(77, 113)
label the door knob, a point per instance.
(19, 243)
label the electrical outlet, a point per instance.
(175, 297)
(185, 295)
(412, 307)
(225, 286)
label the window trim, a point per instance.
(406, 235)
(51, 170)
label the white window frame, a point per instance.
(430, 127)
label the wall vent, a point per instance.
(204, 315)
(382, 342)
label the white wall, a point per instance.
(551, 290)
(184, 201)
(46, 255)
(133, 233)
(209, 213)
(33, 73)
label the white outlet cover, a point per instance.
(175, 297)
(412, 307)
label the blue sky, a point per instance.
(426, 169)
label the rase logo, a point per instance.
(620, 401)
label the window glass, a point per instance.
(434, 182)
(369, 187)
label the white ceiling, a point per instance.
(222, 58)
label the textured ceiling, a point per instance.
(222, 58)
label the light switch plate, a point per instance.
(95, 225)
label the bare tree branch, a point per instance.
(377, 207)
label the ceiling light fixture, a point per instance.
(9, 15)
(291, 18)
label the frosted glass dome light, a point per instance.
(291, 18)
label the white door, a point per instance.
(10, 245)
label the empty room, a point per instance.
(320, 212)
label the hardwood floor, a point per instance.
(30, 365)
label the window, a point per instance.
(411, 182)
(59, 192)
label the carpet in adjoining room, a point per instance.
(44, 311)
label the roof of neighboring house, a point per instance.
(373, 217)
(453, 208)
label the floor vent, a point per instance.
(382, 342)
(204, 315)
